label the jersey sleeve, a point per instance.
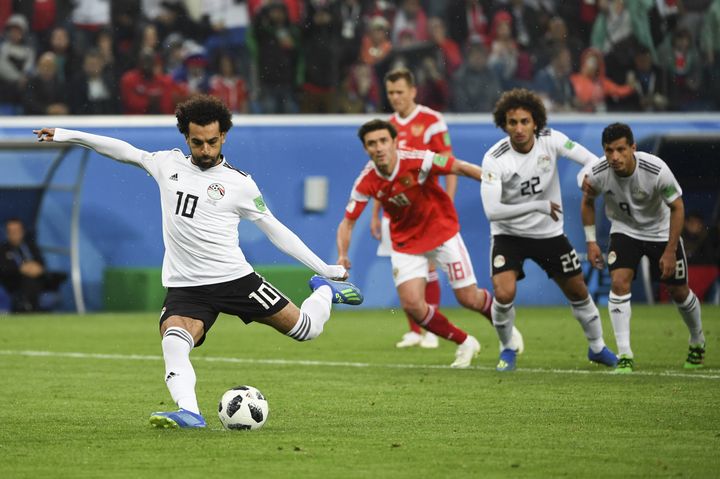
(668, 185)
(434, 163)
(359, 196)
(437, 137)
(564, 146)
(251, 204)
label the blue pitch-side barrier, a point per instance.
(120, 212)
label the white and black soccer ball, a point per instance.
(243, 407)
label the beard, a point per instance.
(206, 162)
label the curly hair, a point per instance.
(202, 110)
(520, 98)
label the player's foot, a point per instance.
(696, 357)
(625, 365)
(605, 356)
(343, 292)
(506, 361)
(429, 341)
(177, 419)
(409, 339)
(516, 342)
(466, 352)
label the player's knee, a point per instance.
(679, 294)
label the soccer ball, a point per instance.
(243, 407)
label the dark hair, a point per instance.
(202, 110)
(375, 125)
(520, 98)
(401, 73)
(615, 131)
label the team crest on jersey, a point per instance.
(544, 163)
(216, 191)
(612, 257)
(638, 194)
(499, 261)
(406, 181)
(417, 130)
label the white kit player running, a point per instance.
(521, 196)
(205, 272)
(644, 204)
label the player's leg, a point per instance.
(560, 261)
(688, 305)
(432, 297)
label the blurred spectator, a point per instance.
(46, 93)
(375, 43)
(475, 86)
(229, 86)
(350, 16)
(17, 60)
(553, 83)
(173, 52)
(193, 74)
(527, 24)
(511, 65)
(433, 89)
(360, 92)
(42, 17)
(93, 90)
(592, 87)
(88, 18)
(555, 38)
(466, 20)
(292, 7)
(229, 21)
(618, 29)
(680, 59)
(64, 55)
(650, 85)
(702, 247)
(22, 269)
(146, 89)
(410, 18)
(450, 55)
(321, 55)
(274, 45)
(104, 46)
(710, 45)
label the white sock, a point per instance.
(620, 310)
(588, 316)
(179, 373)
(690, 312)
(314, 313)
(503, 318)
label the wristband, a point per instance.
(590, 234)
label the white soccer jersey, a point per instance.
(522, 185)
(637, 205)
(201, 210)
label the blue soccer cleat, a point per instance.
(507, 360)
(343, 292)
(605, 356)
(177, 419)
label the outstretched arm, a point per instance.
(110, 147)
(495, 209)
(344, 234)
(464, 168)
(289, 243)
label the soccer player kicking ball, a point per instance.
(204, 270)
(521, 197)
(423, 227)
(643, 202)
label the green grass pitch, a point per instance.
(76, 393)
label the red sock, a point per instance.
(414, 327)
(432, 289)
(487, 307)
(437, 323)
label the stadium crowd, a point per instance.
(329, 56)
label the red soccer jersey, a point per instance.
(422, 215)
(423, 129)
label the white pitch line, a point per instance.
(703, 374)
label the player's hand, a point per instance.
(376, 227)
(595, 256)
(45, 134)
(555, 211)
(667, 264)
(338, 272)
(344, 261)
